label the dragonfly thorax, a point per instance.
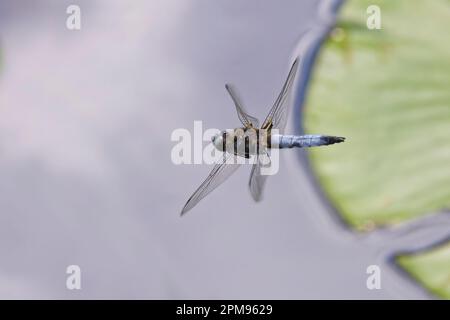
(242, 141)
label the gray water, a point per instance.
(86, 176)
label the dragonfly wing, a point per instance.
(278, 113)
(258, 180)
(246, 119)
(222, 170)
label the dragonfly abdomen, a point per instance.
(282, 141)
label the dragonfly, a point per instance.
(252, 140)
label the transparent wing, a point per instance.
(246, 119)
(278, 113)
(257, 180)
(221, 171)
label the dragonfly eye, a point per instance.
(217, 141)
(215, 138)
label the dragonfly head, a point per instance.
(217, 141)
(223, 139)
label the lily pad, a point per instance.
(387, 91)
(430, 268)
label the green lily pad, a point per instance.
(387, 91)
(430, 268)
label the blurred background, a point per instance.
(86, 118)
